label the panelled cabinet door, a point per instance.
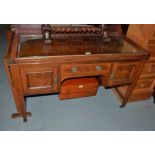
(39, 79)
(122, 73)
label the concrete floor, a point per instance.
(100, 112)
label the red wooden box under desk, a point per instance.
(79, 87)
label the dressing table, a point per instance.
(40, 58)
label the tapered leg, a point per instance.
(18, 94)
(20, 106)
(16, 87)
(134, 82)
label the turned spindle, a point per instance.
(46, 30)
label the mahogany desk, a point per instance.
(38, 67)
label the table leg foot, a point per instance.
(18, 115)
(25, 119)
(122, 105)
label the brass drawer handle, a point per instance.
(99, 68)
(74, 69)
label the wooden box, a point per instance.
(79, 87)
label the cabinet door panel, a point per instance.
(122, 73)
(39, 79)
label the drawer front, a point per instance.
(69, 95)
(80, 70)
(79, 84)
(122, 73)
(149, 70)
(41, 79)
(144, 84)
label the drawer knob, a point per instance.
(99, 68)
(74, 69)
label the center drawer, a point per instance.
(80, 70)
